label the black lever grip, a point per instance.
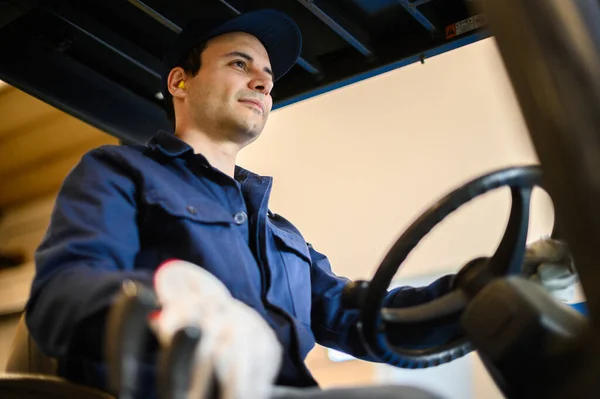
(177, 363)
(127, 333)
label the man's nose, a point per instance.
(262, 85)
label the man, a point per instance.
(124, 210)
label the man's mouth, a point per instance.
(256, 103)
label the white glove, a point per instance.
(237, 345)
(550, 263)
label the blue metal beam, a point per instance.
(412, 8)
(417, 3)
(449, 46)
(337, 27)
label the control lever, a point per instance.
(127, 332)
(177, 364)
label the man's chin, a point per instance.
(246, 134)
(244, 129)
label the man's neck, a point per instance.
(220, 154)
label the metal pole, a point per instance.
(337, 27)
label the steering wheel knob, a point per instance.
(354, 293)
(473, 276)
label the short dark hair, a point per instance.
(190, 63)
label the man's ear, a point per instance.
(176, 82)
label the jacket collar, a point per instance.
(168, 144)
(242, 174)
(172, 146)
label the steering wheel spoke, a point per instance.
(448, 306)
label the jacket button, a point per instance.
(240, 218)
(191, 210)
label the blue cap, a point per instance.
(275, 30)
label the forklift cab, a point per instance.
(109, 51)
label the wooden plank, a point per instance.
(23, 227)
(24, 244)
(19, 109)
(34, 183)
(39, 142)
(15, 287)
(8, 328)
(21, 230)
(26, 218)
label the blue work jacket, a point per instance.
(123, 210)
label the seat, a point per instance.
(39, 386)
(26, 357)
(32, 375)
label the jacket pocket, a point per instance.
(196, 208)
(297, 262)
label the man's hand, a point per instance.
(237, 345)
(549, 262)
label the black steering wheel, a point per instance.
(369, 297)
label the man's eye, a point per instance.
(239, 64)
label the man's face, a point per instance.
(230, 97)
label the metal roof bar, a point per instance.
(146, 9)
(310, 67)
(411, 7)
(344, 33)
(110, 40)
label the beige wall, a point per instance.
(354, 167)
